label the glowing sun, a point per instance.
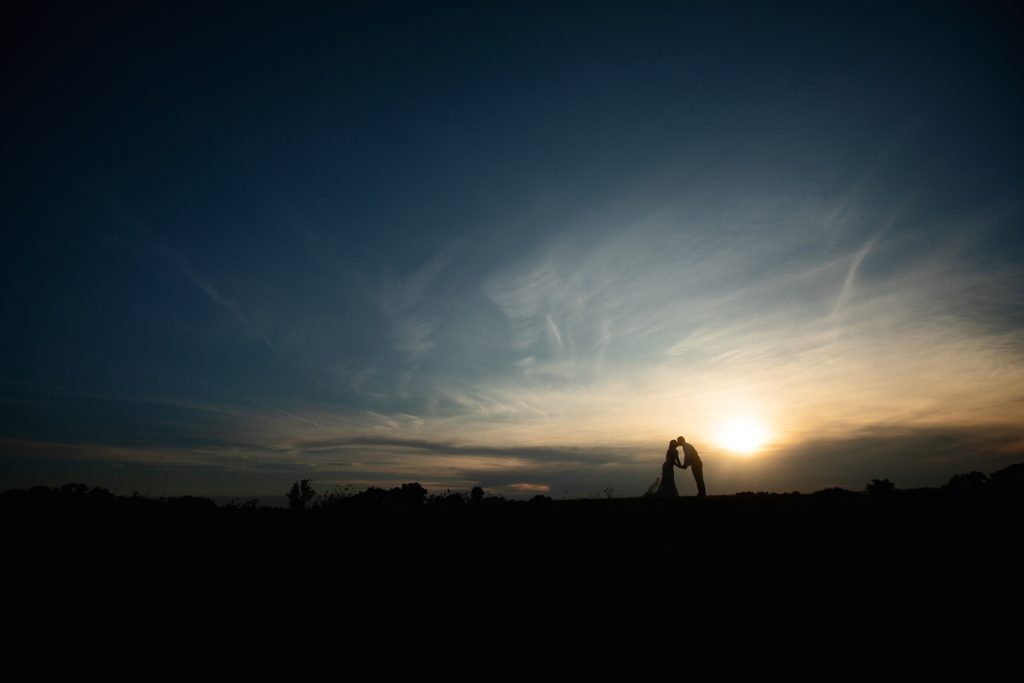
(742, 434)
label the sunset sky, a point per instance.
(511, 245)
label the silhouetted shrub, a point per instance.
(448, 498)
(1009, 479)
(74, 490)
(409, 494)
(243, 504)
(969, 483)
(750, 495)
(880, 488)
(191, 504)
(371, 496)
(835, 492)
(336, 498)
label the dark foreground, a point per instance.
(758, 530)
(921, 561)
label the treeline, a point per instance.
(1005, 483)
(303, 496)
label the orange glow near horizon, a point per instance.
(742, 434)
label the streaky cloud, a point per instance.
(197, 279)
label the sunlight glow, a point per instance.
(742, 434)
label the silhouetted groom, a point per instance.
(691, 459)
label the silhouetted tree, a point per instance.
(409, 494)
(1009, 479)
(449, 498)
(967, 483)
(880, 487)
(74, 490)
(300, 495)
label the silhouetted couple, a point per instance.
(667, 488)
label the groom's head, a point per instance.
(681, 440)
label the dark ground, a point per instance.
(743, 532)
(896, 574)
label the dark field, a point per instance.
(741, 565)
(973, 516)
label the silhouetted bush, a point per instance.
(409, 494)
(335, 499)
(448, 498)
(880, 488)
(191, 504)
(752, 496)
(969, 483)
(74, 490)
(836, 492)
(371, 496)
(243, 504)
(1009, 479)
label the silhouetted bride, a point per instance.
(667, 489)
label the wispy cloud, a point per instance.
(613, 336)
(412, 334)
(143, 241)
(401, 294)
(574, 359)
(628, 331)
(198, 280)
(402, 299)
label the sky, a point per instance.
(514, 245)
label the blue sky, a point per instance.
(516, 246)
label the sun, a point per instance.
(742, 434)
